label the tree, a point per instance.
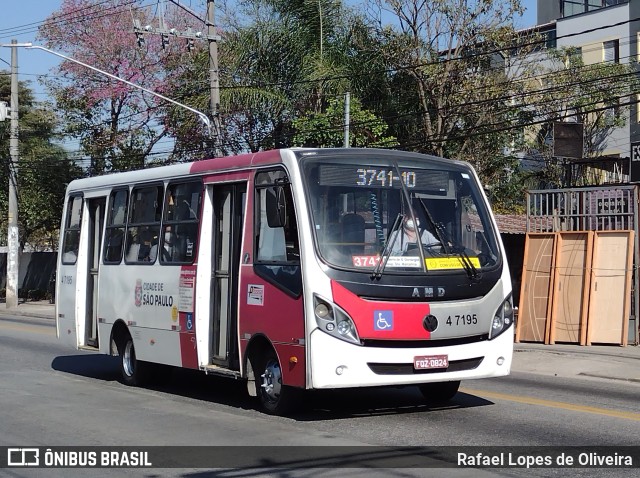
(596, 95)
(44, 170)
(118, 126)
(285, 60)
(278, 66)
(326, 130)
(446, 60)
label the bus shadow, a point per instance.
(351, 403)
(186, 383)
(315, 405)
(100, 367)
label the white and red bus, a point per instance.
(287, 269)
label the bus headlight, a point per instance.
(322, 310)
(345, 327)
(502, 319)
(334, 321)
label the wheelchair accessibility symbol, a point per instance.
(383, 320)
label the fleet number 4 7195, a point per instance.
(464, 319)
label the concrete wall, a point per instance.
(35, 272)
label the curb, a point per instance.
(38, 311)
(611, 362)
(610, 377)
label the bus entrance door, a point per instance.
(95, 225)
(228, 213)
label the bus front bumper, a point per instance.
(338, 364)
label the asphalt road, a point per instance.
(53, 396)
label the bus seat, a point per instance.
(272, 245)
(353, 233)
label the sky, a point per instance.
(21, 18)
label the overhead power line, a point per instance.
(91, 13)
(538, 92)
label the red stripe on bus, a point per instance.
(401, 320)
(186, 318)
(188, 350)
(236, 162)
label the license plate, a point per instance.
(428, 362)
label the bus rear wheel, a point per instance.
(134, 372)
(275, 398)
(439, 392)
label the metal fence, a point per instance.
(604, 208)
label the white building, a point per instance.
(602, 30)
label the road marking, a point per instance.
(38, 329)
(553, 404)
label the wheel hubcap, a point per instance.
(272, 380)
(128, 358)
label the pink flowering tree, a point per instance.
(118, 127)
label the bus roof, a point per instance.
(226, 163)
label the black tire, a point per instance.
(275, 398)
(134, 372)
(439, 392)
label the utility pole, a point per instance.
(13, 239)
(347, 107)
(212, 39)
(214, 80)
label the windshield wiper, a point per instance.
(465, 260)
(472, 271)
(440, 234)
(388, 247)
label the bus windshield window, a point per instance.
(438, 211)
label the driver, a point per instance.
(408, 236)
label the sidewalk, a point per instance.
(602, 362)
(608, 362)
(40, 309)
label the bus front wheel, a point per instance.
(275, 398)
(133, 370)
(439, 392)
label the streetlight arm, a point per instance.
(200, 114)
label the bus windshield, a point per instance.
(405, 216)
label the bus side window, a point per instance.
(143, 225)
(277, 247)
(181, 219)
(271, 244)
(116, 221)
(72, 230)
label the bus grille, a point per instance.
(407, 368)
(411, 344)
